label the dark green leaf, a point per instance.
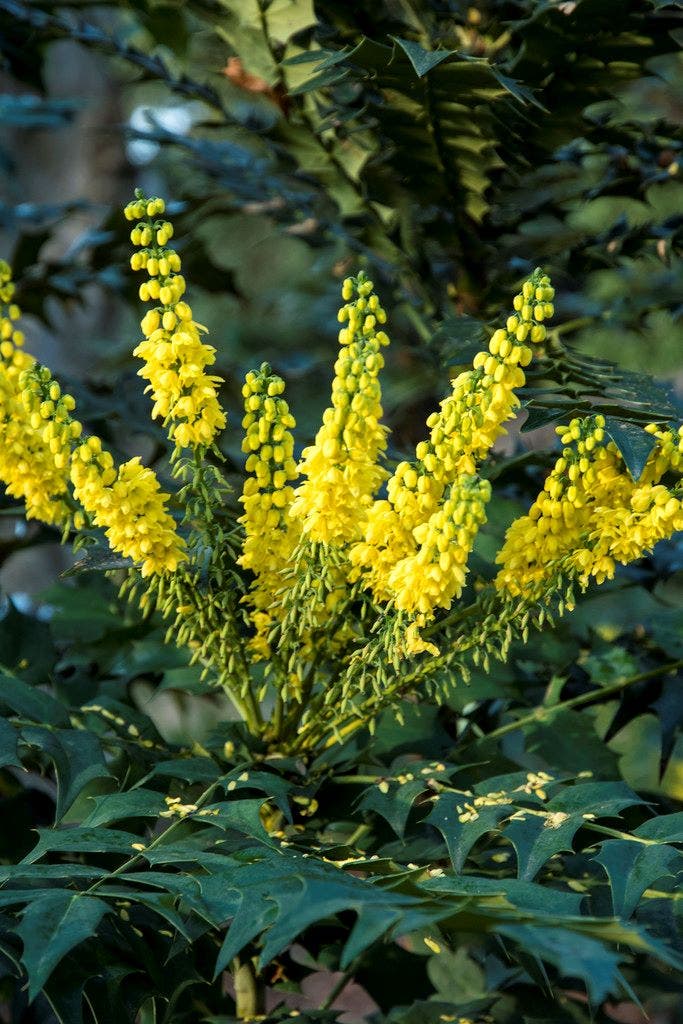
(632, 868)
(31, 702)
(576, 956)
(135, 803)
(51, 926)
(634, 443)
(77, 757)
(8, 745)
(394, 805)
(83, 840)
(422, 60)
(666, 829)
(461, 828)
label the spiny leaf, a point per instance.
(668, 828)
(632, 868)
(394, 805)
(135, 803)
(82, 840)
(460, 828)
(536, 838)
(634, 443)
(575, 956)
(525, 895)
(422, 60)
(77, 757)
(51, 926)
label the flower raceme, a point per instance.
(342, 469)
(270, 533)
(31, 467)
(591, 514)
(462, 432)
(126, 502)
(44, 460)
(174, 355)
(129, 505)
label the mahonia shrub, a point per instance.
(342, 584)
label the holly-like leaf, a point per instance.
(134, 803)
(537, 836)
(632, 868)
(422, 61)
(576, 956)
(634, 443)
(77, 757)
(83, 840)
(668, 828)
(540, 899)
(394, 804)
(461, 827)
(51, 926)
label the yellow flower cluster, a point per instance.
(175, 357)
(28, 467)
(129, 505)
(462, 432)
(49, 413)
(271, 535)
(342, 467)
(37, 435)
(591, 514)
(625, 533)
(435, 574)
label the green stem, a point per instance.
(337, 988)
(573, 325)
(545, 714)
(616, 834)
(277, 718)
(452, 619)
(253, 716)
(357, 780)
(248, 994)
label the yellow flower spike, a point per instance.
(435, 575)
(32, 467)
(175, 358)
(341, 467)
(271, 535)
(462, 432)
(129, 505)
(591, 515)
